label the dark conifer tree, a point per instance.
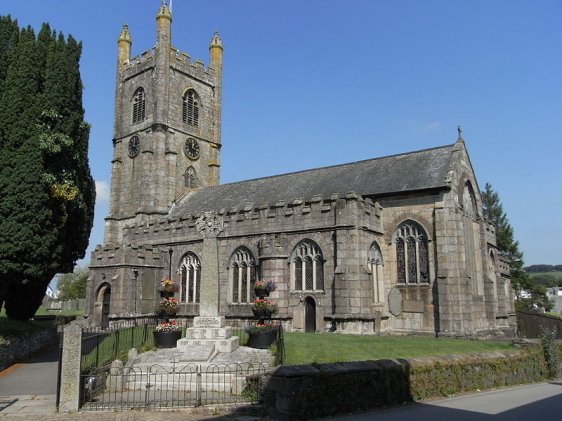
(9, 33)
(509, 247)
(46, 207)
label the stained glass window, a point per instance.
(309, 267)
(191, 278)
(243, 275)
(235, 296)
(298, 274)
(400, 260)
(412, 258)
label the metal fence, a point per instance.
(163, 386)
(534, 325)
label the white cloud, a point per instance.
(102, 191)
(431, 127)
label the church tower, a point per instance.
(166, 136)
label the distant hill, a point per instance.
(542, 268)
(547, 275)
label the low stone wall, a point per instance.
(319, 390)
(19, 347)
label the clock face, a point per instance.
(191, 148)
(134, 146)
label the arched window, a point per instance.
(412, 262)
(191, 108)
(470, 216)
(190, 178)
(190, 285)
(243, 275)
(375, 264)
(139, 106)
(307, 267)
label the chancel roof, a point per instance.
(420, 170)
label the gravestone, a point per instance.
(208, 328)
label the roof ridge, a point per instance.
(335, 166)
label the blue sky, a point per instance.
(310, 83)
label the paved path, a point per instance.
(541, 401)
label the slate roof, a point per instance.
(420, 170)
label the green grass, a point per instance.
(307, 348)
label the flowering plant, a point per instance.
(268, 285)
(262, 305)
(168, 327)
(261, 328)
(169, 305)
(168, 285)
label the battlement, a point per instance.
(140, 59)
(182, 62)
(118, 255)
(298, 214)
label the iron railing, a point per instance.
(164, 386)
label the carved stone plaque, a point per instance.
(395, 302)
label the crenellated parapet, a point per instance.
(181, 62)
(115, 256)
(316, 213)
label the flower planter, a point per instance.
(166, 294)
(261, 292)
(166, 339)
(262, 313)
(262, 340)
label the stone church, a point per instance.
(392, 245)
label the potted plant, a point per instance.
(263, 308)
(263, 288)
(169, 306)
(167, 334)
(262, 335)
(167, 288)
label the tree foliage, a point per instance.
(529, 294)
(72, 286)
(47, 192)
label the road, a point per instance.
(37, 376)
(542, 401)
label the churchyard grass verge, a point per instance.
(309, 348)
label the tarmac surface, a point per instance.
(28, 391)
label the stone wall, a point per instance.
(16, 348)
(320, 390)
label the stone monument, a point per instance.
(209, 333)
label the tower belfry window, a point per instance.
(191, 108)
(139, 106)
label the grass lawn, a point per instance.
(307, 348)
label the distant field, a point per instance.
(557, 274)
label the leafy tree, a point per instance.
(72, 286)
(509, 247)
(46, 208)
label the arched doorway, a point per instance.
(103, 300)
(309, 315)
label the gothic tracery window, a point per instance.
(190, 178)
(191, 108)
(375, 264)
(243, 275)
(190, 285)
(412, 262)
(307, 267)
(139, 106)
